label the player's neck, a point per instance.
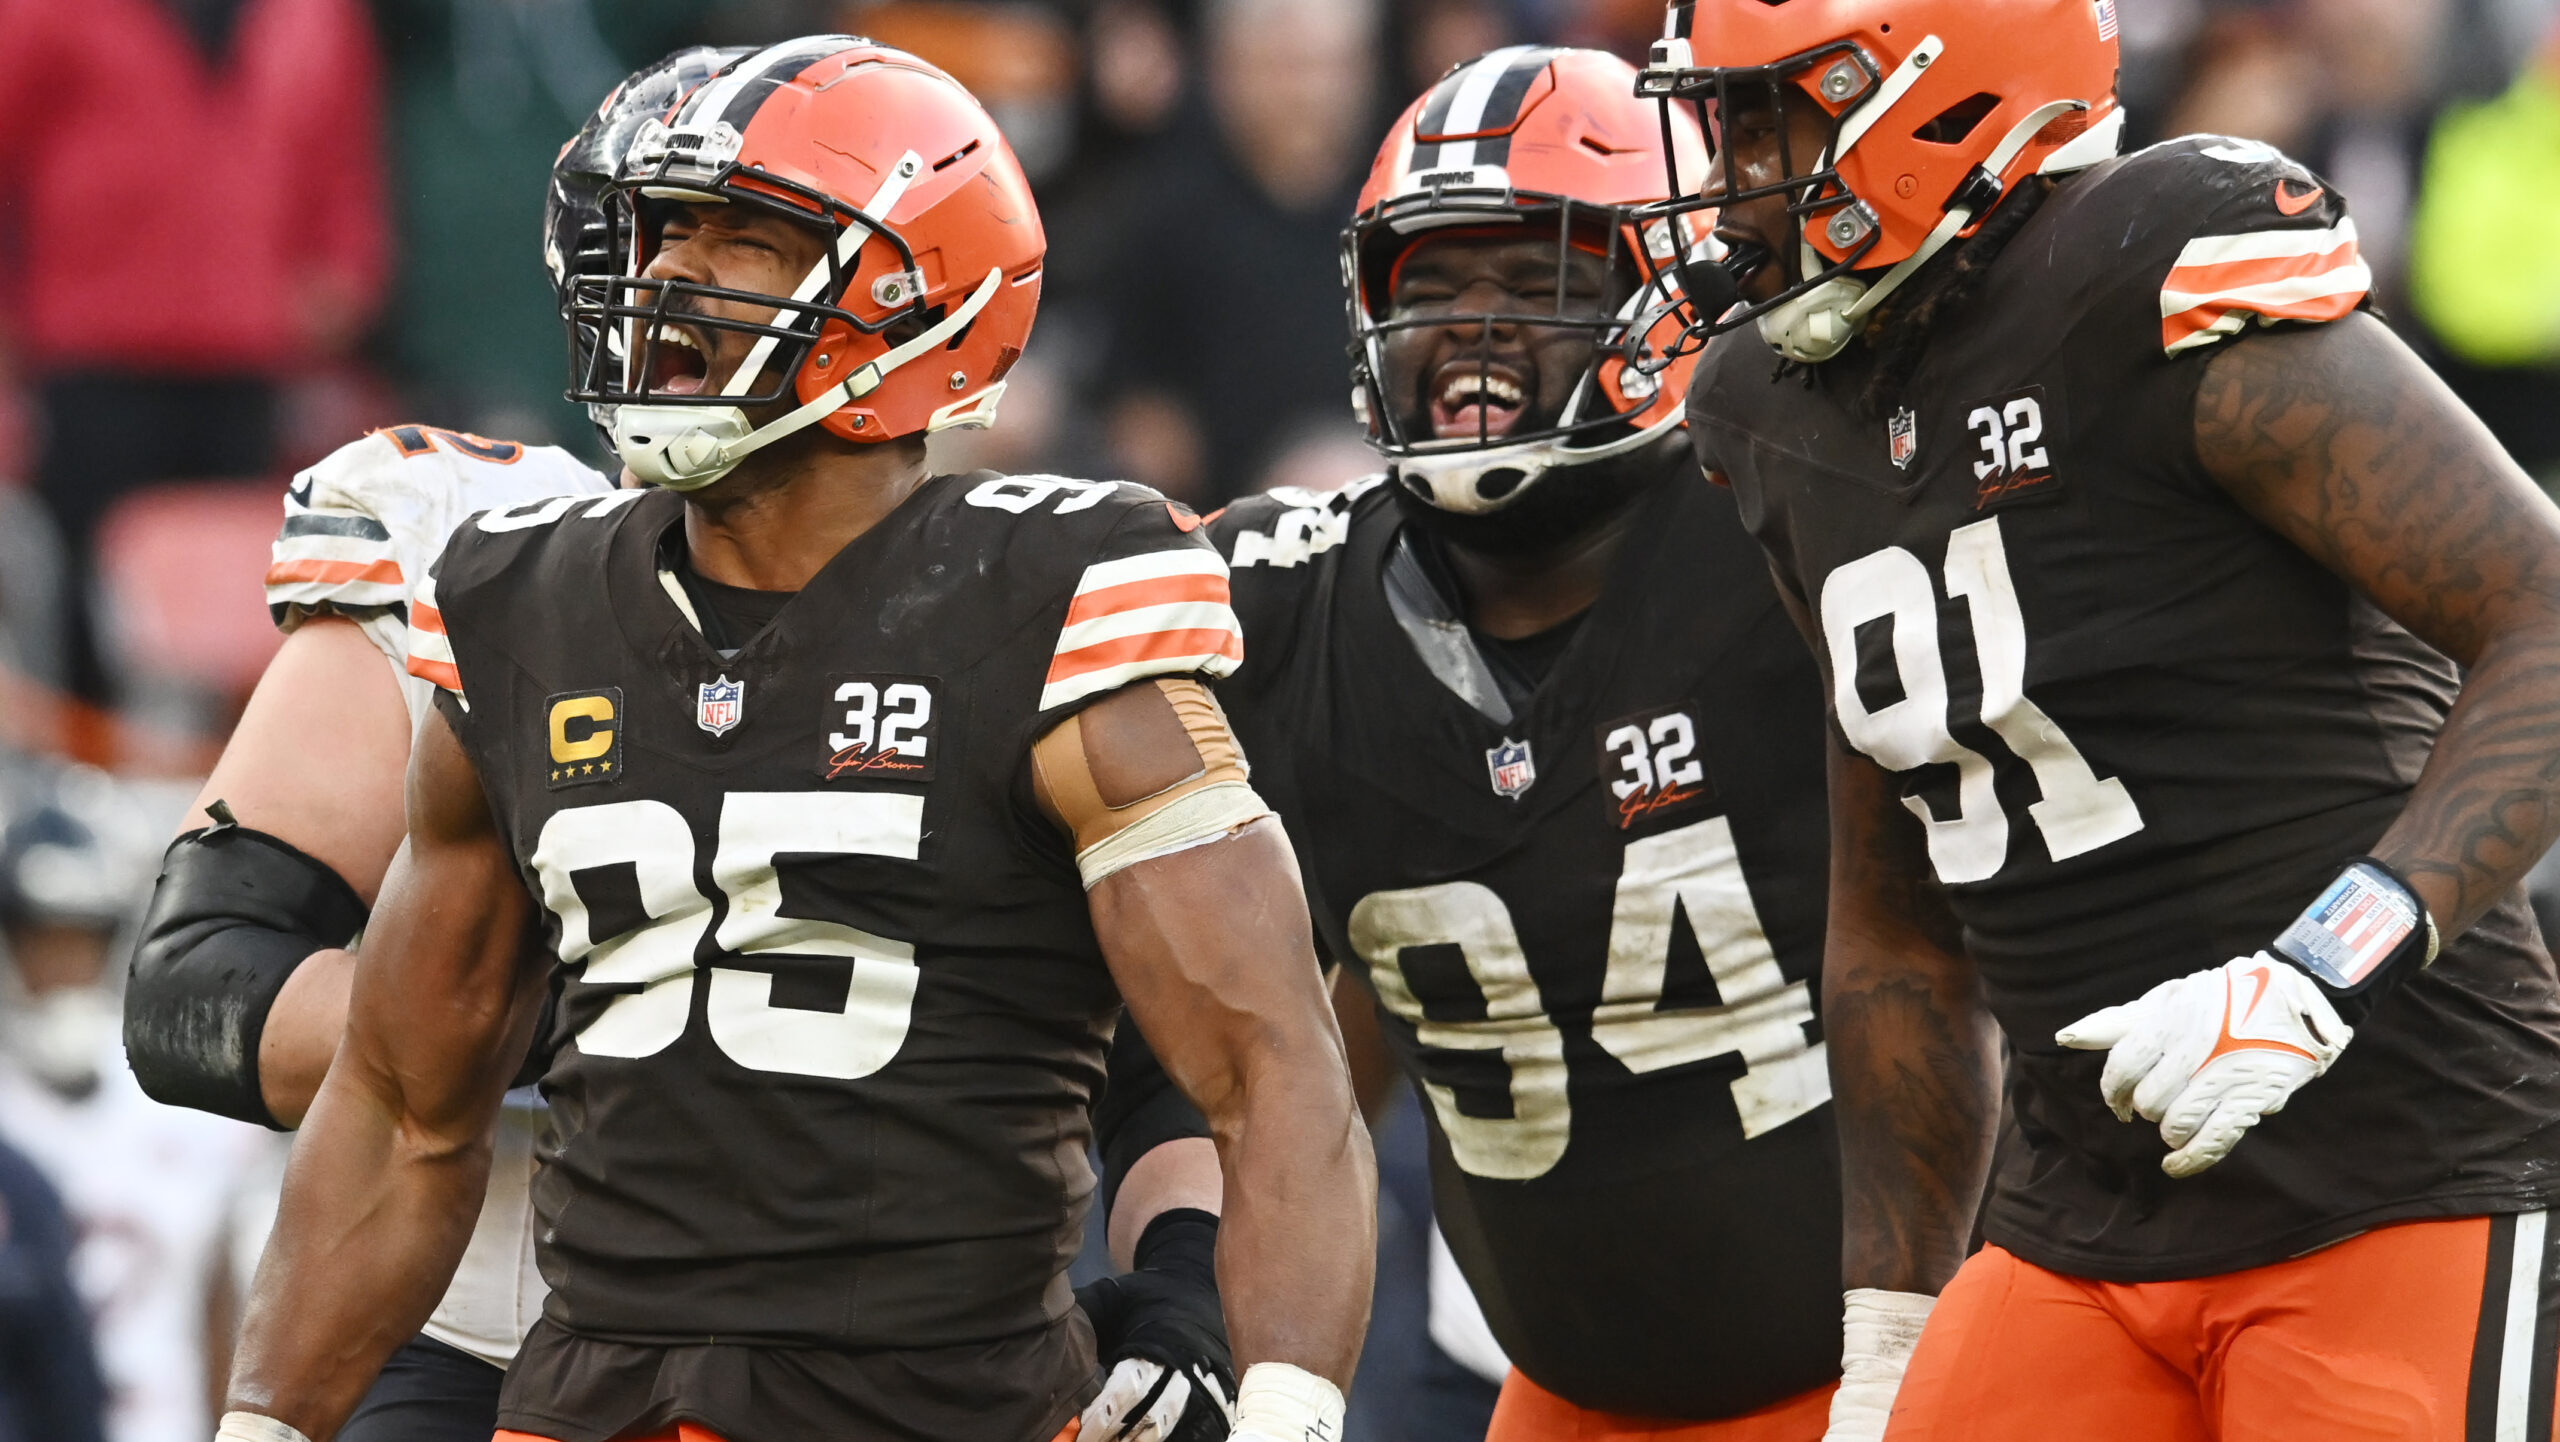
(1509, 596)
(774, 522)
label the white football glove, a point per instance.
(1276, 1402)
(1878, 1329)
(2207, 1055)
(1143, 1401)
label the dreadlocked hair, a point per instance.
(1899, 330)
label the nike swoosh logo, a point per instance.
(2266, 982)
(300, 494)
(1183, 520)
(2292, 204)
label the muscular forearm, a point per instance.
(1915, 1081)
(1298, 1242)
(374, 1218)
(302, 1031)
(2342, 441)
(2488, 804)
(1915, 1058)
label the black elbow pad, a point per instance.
(235, 911)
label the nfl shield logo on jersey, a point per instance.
(718, 704)
(1513, 772)
(1902, 436)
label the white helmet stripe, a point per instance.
(755, 79)
(1467, 105)
(848, 244)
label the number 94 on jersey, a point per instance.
(1448, 961)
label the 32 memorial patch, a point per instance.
(880, 728)
(1650, 763)
(2013, 455)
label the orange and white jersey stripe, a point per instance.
(2222, 284)
(430, 649)
(1160, 613)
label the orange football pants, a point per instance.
(1528, 1412)
(2436, 1331)
(687, 1432)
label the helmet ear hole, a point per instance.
(1951, 125)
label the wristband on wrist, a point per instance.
(2366, 925)
(251, 1427)
(1879, 1330)
(1282, 1403)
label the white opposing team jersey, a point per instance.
(360, 530)
(147, 1188)
(362, 527)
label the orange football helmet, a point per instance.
(1931, 109)
(1534, 141)
(907, 325)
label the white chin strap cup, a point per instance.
(1454, 480)
(685, 448)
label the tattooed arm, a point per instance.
(1915, 1058)
(2342, 441)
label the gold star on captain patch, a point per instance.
(589, 768)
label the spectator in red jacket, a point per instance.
(196, 212)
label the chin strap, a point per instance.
(1454, 477)
(1817, 325)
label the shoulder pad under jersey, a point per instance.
(493, 550)
(362, 526)
(1287, 527)
(1149, 593)
(2223, 233)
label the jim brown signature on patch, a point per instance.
(1635, 806)
(862, 760)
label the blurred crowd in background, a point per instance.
(242, 232)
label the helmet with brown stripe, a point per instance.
(908, 322)
(1521, 147)
(1889, 128)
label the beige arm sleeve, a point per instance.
(1147, 771)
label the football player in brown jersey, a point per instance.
(821, 1140)
(1546, 740)
(2194, 667)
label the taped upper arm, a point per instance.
(1147, 770)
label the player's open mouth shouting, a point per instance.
(1471, 396)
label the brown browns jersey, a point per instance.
(834, 1011)
(1594, 918)
(2140, 730)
